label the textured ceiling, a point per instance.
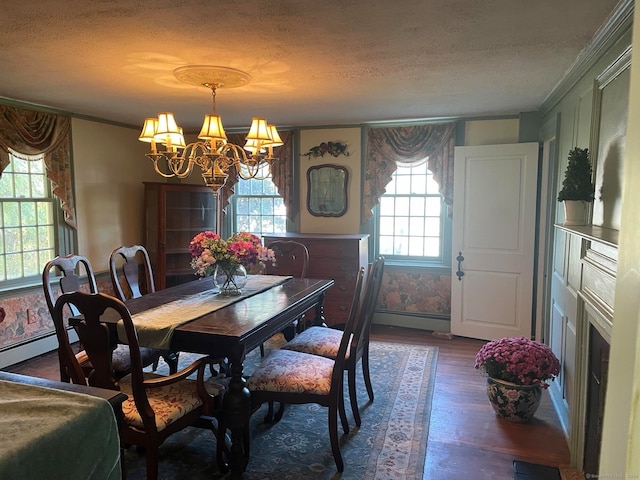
(311, 62)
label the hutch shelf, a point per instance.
(174, 214)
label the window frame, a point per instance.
(230, 224)
(446, 229)
(65, 239)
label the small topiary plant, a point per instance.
(577, 183)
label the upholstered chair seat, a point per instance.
(169, 402)
(289, 371)
(321, 341)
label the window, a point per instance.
(259, 209)
(411, 223)
(27, 239)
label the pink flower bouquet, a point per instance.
(518, 360)
(208, 249)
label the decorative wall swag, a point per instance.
(334, 149)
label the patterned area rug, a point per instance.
(390, 444)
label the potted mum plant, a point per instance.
(577, 187)
(517, 370)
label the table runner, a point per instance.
(55, 434)
(155, 326)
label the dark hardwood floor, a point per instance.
(466, 439)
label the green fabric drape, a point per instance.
(387, 146)
(30, 132)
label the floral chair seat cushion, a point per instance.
(321, 341)
(168, 402)
(290, 371)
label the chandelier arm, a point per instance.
(214, 155)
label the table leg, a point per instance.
(237, 412)
(319, 320)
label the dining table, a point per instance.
(192, 317)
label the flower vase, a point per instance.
(230, 279)
(515, 403)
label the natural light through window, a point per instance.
(410, 215)
(259, 208)
(26, 219)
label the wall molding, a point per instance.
(620, 21)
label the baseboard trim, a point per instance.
(412, 321)
(26, 351)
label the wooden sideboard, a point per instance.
(337, 257)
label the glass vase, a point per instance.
(230, 279)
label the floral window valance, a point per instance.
(281, 172)
(387, 146)
(30, 132)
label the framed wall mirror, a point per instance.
(327, 190)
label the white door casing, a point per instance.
(494, 221)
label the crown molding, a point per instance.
(620, 21)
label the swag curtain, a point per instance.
(281, 172)
(387, 146)
(29, 132)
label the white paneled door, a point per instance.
(494, 221)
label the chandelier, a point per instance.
(214, 155)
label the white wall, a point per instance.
(109, 168)
(491, 132)
(620, 454)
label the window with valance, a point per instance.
(388, 150)
(34, 148)
(32, 133)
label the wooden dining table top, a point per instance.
(248, 322)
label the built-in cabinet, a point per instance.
(174, 214)
(333, 256)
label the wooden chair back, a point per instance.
(95, 335)
(68, 271)
(347, 335)
(292, 258)
(130, 271)
(364, 318)
(165, 393)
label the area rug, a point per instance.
(390, 444)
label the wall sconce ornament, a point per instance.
(334, 149)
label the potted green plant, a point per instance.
(577, 187)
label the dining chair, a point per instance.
(325, 341)
(132, 276)
(291, 377)
(70, 269)
(291, 258)
(158, 406)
